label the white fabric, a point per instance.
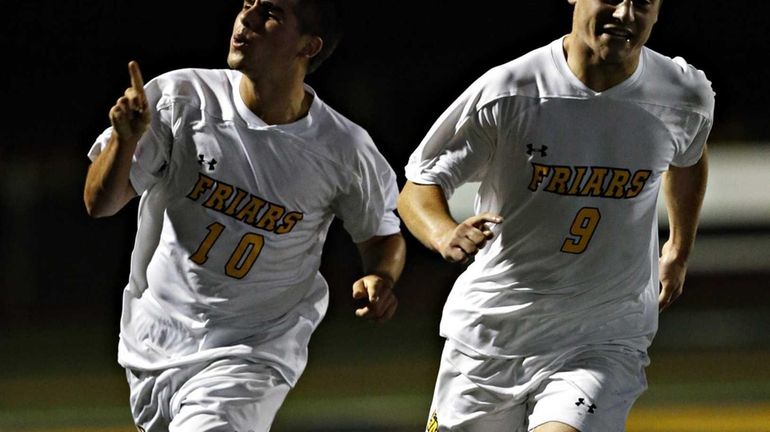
(224, 396)
(570, 168)
(590, 388)
(232, 221)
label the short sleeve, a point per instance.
(367, 205)
(458, 146)
(693, 152)
(697, 127)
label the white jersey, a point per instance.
(575, 174)
(232, 220)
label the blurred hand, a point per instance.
(130, 116)
(471, 235)
(672, 274)
(378, 292)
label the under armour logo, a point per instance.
(531, 149)
(591, 408)
(211, 163)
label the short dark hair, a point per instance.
(320, 18)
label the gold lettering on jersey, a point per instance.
(559, 179)
(204, 183)
(539, 173)
(243, 206)
(580, 172)
(432, 423)
(239, 196)
(219, 197)
(248, 213)
(617, 185)
(594, 181)
(270, 217)
(637, 183)
(289, 221)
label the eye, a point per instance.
(267, 13)
(268, 10)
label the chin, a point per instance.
(616, 55)
(234, 60)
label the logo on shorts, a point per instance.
(432, 423)
(591, 408)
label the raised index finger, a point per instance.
(136, 76)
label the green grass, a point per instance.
(360, 375)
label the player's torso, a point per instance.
(258, 184)
(577, 183)
(573, 259)
(246, 215)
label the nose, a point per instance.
(624, 11)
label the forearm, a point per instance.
(684, 189)
(425, 211)
(107, 187)
(384, 256)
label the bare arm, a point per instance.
(383, 259)
(683, 189)
(425, 211)
(107, 188)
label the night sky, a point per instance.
(399, 65)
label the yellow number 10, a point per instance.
(582, 229)
(242, 258)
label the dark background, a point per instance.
(399, 65)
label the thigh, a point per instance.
(229, 395)
(592, 391)
(462, 401)
(150, 393)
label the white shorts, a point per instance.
(225, 395)
(590, 388)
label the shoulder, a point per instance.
(337, 131)
(678, 82)
(210, 90)
(531, 75)
(342, 140)
(192, 81)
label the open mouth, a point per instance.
(240, 39)
(618, 32)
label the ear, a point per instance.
(312, 47)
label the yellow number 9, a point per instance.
(582, 229)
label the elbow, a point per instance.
(92, 209)
(95, 207)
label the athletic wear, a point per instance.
(591, 388)
(555, 314)
(232, 220)
(226, 395)
(575, 174)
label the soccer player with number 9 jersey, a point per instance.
(548, 327)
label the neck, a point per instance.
(595, 72)
(276, 102)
